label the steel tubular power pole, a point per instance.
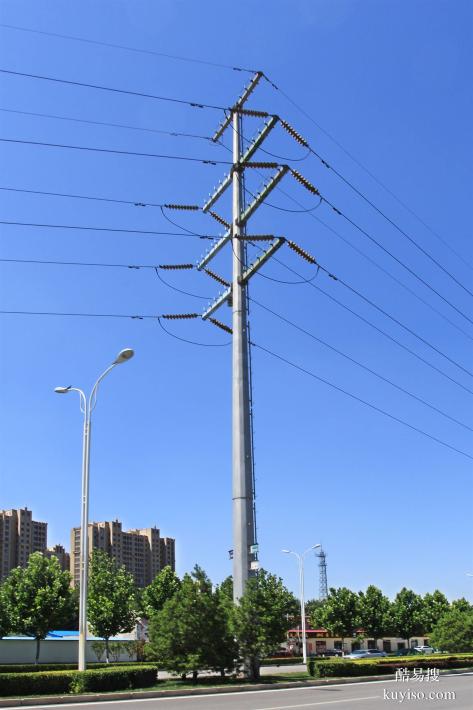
(242, 466)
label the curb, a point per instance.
(215, 690)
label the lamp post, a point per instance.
(87, 406)
(300, 559)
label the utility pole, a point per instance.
(245, 548)
(242, 478)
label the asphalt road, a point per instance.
(359, 696)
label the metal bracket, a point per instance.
(217, 303)
(250, 151)
(214, 249)
(262, 195)
(256, 265)
(239, 103)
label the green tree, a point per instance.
(162, 588)
(407, 614)
(111, 604)
(312, 608)
(261, 619)
(37, 598)
(461, 605)
(190, 633)
(374, 613)
(340, 614)
(436, 605)
(5, 624)
(453, 632)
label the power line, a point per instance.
(78, 263)
(116, 151)
(381, 310)
(266, 308)
(375, 327)
(356, 362)
(69, 82)
(134, 203)
(388, 219)
(358, 399)
(257, 345)
(80, 315)
(368, 172)
(105, 229)
(365, 256)
(127, 48)
(175, 134)
(399, 261)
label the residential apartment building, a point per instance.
(143, 552)
(20, 536)
(61, 554)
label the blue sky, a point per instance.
(391, 81)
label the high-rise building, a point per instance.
(20, 536)
(63, 556)
(142, 552)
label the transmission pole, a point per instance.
(245, 548)
(242, 476)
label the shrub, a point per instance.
(35, 683)
(383, 666)
(73, 681)
(114, 679)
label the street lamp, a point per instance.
(87, 406)
(300, 558)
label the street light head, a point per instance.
(286, 551)
(124, 355)
(62, 390)
(315, 546)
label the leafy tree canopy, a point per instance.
(340, 613)
(407, 614)
(261, 619)
(162, 588)
(436, 605)
(454, 632)
(37, 598)
(374, 613)
(190, 632)
(111, 604)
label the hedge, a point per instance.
(68, 681)
(283, 661)
(383, 666)
(33, 668)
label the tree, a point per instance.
(312, 608)
(453, 632)
(162, 588)
(340, 614)
(190, 633)
(374, 613)
(407, 614)
(261, 619)
(5, 624)
(436, 605)
(111, 604)
(461, 605)
(37, 598)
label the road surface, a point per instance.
(456, 691)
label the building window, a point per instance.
(387, 646)
(338, 645)
(400, 645)
(372, 644)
